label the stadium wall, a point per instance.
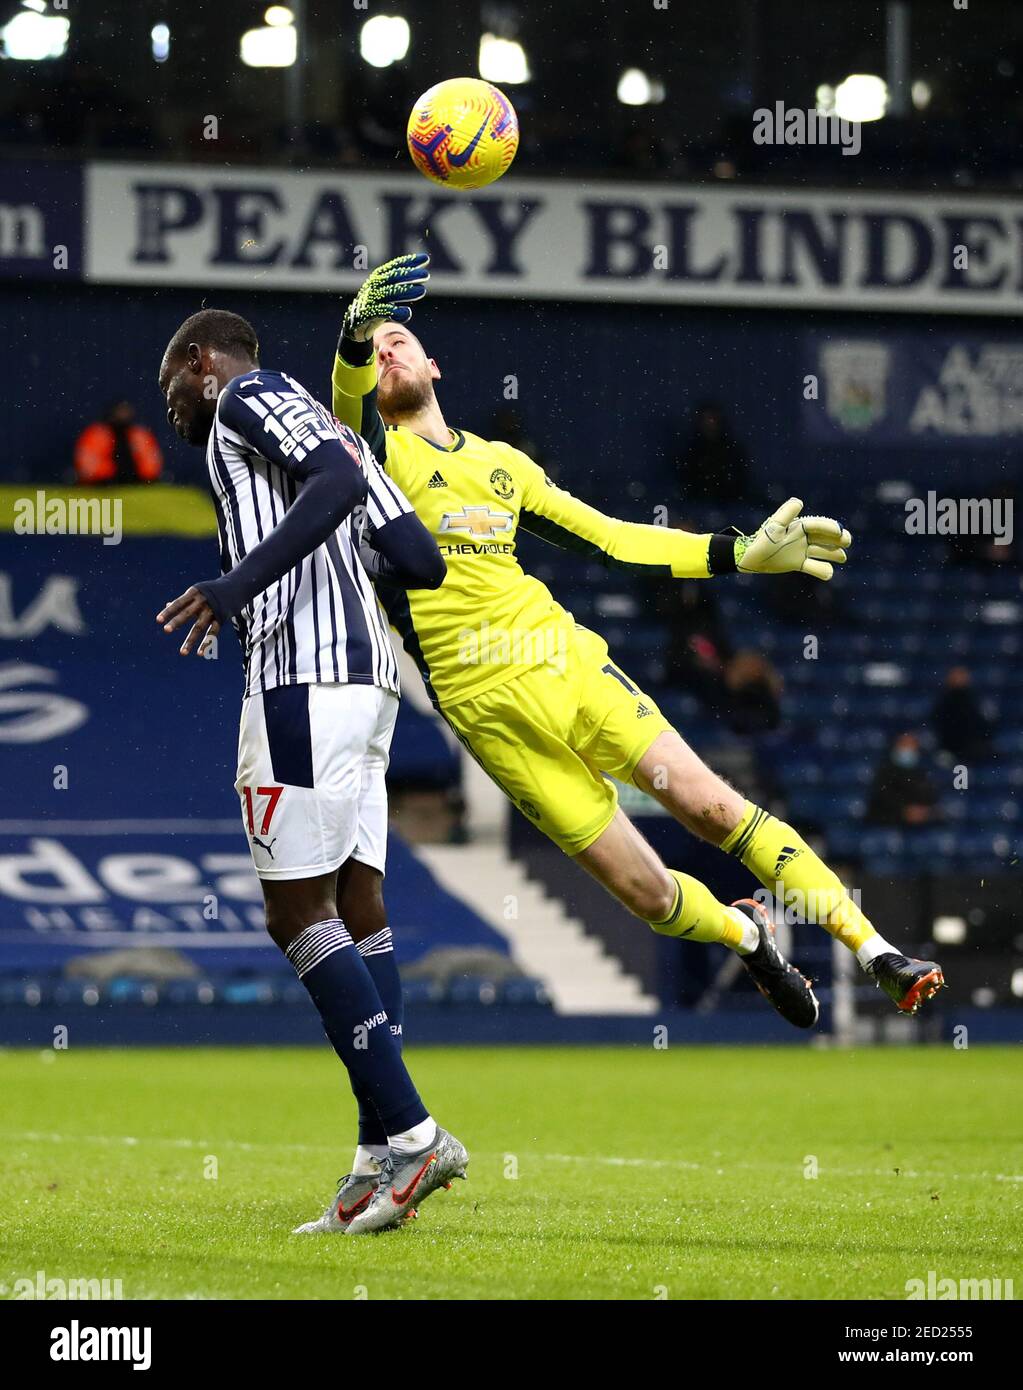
(605, 391)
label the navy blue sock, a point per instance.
(356, 1022)
(378, 953)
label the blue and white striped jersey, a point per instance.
(320, 622)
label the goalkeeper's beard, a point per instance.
(403, 396)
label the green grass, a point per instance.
(638, 1171)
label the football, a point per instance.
(463, 133)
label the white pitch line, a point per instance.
(611, 1161)
(615, 1162)
(130, 1141)
(603, 1160)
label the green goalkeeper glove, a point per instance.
(386, 295)
(788, 542)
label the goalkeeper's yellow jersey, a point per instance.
(490, 621)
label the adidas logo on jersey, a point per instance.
(788, 853)
(642, 711)
(436, 480)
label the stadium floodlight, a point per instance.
(160, 37)
(32, 37)
(920, 92)
(384, 40)
(503, 60)
(276, 46)
(279, 15)
(635, 88)
(949, 931)
(861, 97)
(38, 5)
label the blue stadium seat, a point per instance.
(523, 993)
(470, 989)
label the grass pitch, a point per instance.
(595, 1173)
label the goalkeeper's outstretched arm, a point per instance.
(787, 542)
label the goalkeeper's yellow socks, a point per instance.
(697, 915)
(787, 866)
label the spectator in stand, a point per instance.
(752, 694)
(902, 792)
(117, 450)
(958, 717)
(713, 467)
(697, 647)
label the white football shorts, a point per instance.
(311, 767)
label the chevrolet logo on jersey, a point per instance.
(492, 491)
(477, 521)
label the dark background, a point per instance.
(717, 62)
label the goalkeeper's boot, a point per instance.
(908, 982)
(407, 1179)
(779, 982)
(354, 1194)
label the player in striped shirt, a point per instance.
(296, 494)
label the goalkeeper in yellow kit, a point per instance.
(536, 698)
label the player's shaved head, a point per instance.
(216, 328)
(207, 351)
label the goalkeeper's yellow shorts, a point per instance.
(547, 735)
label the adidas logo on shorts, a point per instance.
(436, 480)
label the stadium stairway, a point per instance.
(579, 975)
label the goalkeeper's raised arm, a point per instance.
(385, 296)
